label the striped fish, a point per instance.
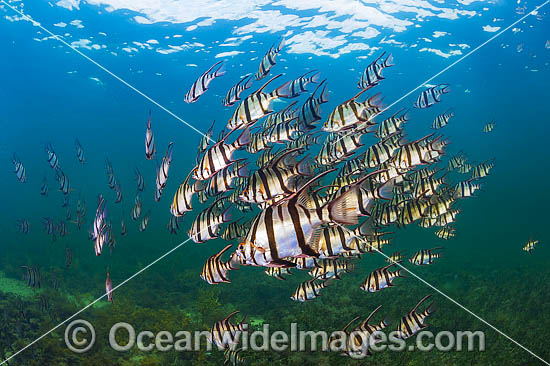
(298, 86)
(446, 218)
(145, 221)
(283, 132)
(123, 229)
(149, 141)
(32, 276)
(414, 322)
(268, 61)
(109, 288)
(258, 142)
(182, 198)
(482, 170)
(442, 120)
(465, 168)
(206, 225)
(336, 240)
(339, 149)
(44, 188)
(19, 169)
(222, 181)
(373, 72)
(232, 357)
(392, 124)
(310, 112)
(530, 245)
(173, 225)
(162, 172)
(309, 290)
(425, 256)
(136, 210)
(255, 106)
(52, 157)
(63, 180)
(304, 262)
(292, 228)
(382, 151)
(446, 233)
(396, 257)
(284, 115)
(23, 226)
(465, 189)
(278, 272)
(225, 334)
(236, 230)
(215, 270)
(219, 156)
(79, 151)
(350, 113)
(200, 86)
(489, 127)
(331, 268)
(139, 179)
(381, 278)
(431, 96)
(233, 95)
(363, 336)
(456, 161)
(205, 141)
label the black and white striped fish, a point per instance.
(425, 256)
(63, 180)
(414, 321)
(309, 290)
(392, 124)
(278, 272)
(233, 95)
(136, 210)
(44, 188)
(431, 96)
(32, 276)
(182, 198)
(233, 357)
(284, 115)
(206, 225)
(149, 141)
(381, 278)
(19, 169)
(139, 180)
(23, 226)
(482, 170)
(162, 172)
(79, 151)
(351, 113)
(205, 141)
(200, 86)
(224, 334)
(489, 127)
(222, 181)
(373, 72)
(268, 61)
(145, 221)
(215, 269)
(52, 157)
(331, 268)
(310, 111)
(219, 156)
(298, 86)
(442, 120)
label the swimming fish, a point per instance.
(145, 221)
(182, 201)
(206, 225)
(278, 272)
(200, 86)
(233, 95)
(372, 74)
(79, 152)
(109, 288)
(52, 157)
(425, 256)
(149, 141)
(162, 172)
(23, 226)
(268, 61)
(233, 357)
(225, 334)
(489, 127)
(351, 113)
(431, 96)
(136, 210)
(309, 290)
(442, 120)
(298, 86)
(68, 257)
(32, 276)
(381, 278)
(530, 246)
(414, 321)
(215, 269)
(19, 169)
(310, 111)
(140, 180)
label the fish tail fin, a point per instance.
(375, 101)
(385, 191)
(445, 88)
(242, 172)
(248, 84)
(226, 215)
(303, 167)
(323, 98)
(220, 71)
(388, 61)
(315, 77)
(283, 91)
(243, 139)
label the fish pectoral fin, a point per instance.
(313, 242)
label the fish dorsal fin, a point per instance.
(267, 82)
(211, 67)
(317, 88)
(345, 329)
(357, 95)
(278, 159)
(224, 250)
(231, 315)
(420, 303)
(366, 321)
(302, 190)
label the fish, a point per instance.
(109, 288)
(205, 141)
(68, 257)
(44, 188)
(431, 96)
(145, 221)
(233, 95)
(123, 229)
(136, 210)
(206, 225)
(482, 170)
(44, 304)
(79, 152)
(162, 172)
(232, 357)
(442, 120)
(351, 113)
(62, 228)
(222, 181)
(52, 157)
(310, 111)
(268, 61)
(63, 180)
(149, 141)
(331, 268)
(292, 228)
(278, 272)
(256, 105)
(19, 169)
(298, 86)
(200, 86)
(465, 189)
(225, 334)
(425, 256)
(182, 201)
(50, 227)
(140, 180)
(489, 127)
(309, 290)
(446, 233)
(118, 191)
(173, 225)
(530, 246)
(372, 74)
(381, 278)
(396, 257)
(32, 276)
(236, 230)
(413, 321)
(284, 115)
(23, 226)
(392, 124)
(218, 156)
(215, 269)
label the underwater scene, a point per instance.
(330, 182)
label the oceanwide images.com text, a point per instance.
(80, 337)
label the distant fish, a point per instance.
(205, 141)
(173, 225)
(425, 256)
(351, 113)
(145, 221)
(233, 357)
(44, 188)
(489, 127)
(233, 95)
(44, 304)
(162, 172)
(123, 230)
(52, 157)
(19, 169)
(309, 290)
(136, 210)
(140, 181)
(79, 151)
(182, 201)
(414, 322)
(298, 86)
(431, 96)
(530, 246)
(68, 257)
(32, 276)
(373, 72)
(63, 180)
(109, 288)
(200, 86)
(442, 120)
(50, 227)
(118, 191)
(381, 278)
(149, 141)
(278, 272)
(268, 61)
(519, 47)
(23, 226)
(62, 228)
